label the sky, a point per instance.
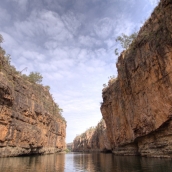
(71, 43)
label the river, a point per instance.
(84, 162)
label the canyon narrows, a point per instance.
(92, 140)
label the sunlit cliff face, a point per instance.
(137, 106)
(29, 121)
(94, 139)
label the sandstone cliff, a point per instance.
(137, 106)
(94, 139)
(29, 119)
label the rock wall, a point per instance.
(137, 105)
(94, 139)
(29, 120)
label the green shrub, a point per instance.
(35, 77)
(47, 87)
(125, 41)
(1, 39)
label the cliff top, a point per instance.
(152, 30)
(37, 91)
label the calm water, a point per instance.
(78, 162)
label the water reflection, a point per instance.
(110, 163)
(93, 162)
(78, 162)
(47, 163)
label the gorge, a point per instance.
(137, 105)
(92, 140)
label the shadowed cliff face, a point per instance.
(137, 106)
(94, 139)
(29, 122)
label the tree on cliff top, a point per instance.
(35, 77)
(125, 41)
(1, 38)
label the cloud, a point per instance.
(4, 16)
(71, 22)
(43, 25)
(71, 43)
(22, 3)
(104, 28)
(154, 2)
(8, 40)
(89, 41)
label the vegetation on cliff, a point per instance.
(30, 120)
(152, 31)
(125, 41)
(137, 105)
(34, 80)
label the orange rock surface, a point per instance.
(29, 123)
(94, 139)
(137, 106)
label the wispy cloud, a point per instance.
(4, 16)
(71, 43)
(104, 28)
(154, 2)
(21, 3)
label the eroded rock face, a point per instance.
(29, 123)
(137, 106)
(94, 139)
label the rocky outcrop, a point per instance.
(94, 139)
(29, 119)
(137, 105)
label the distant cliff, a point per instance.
(69, 147)
(29, 119)
(137, 105)
(94, 139)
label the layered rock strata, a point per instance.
(137, 105)
(29, 120)
(94, 139)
